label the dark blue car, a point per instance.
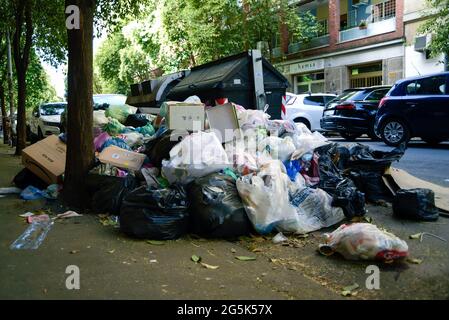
(415, 107)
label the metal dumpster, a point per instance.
(238, 78)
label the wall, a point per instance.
(416, 63)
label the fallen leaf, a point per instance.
(415, 261)
(208, 266)
(153, 261)
(155, 242)
(350, 290)
(74, 251)
(245, 258)
(416, 236)
(256, 250)
(233, 250)
(195, 258)
(111, 251)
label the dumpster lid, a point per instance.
(217, 73)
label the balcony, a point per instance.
(313, 43)
(372, 29)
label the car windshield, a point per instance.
(52, 109)
(109, 100)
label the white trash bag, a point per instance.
(265, 197)
(197, 155)
(364, 241)
(314, 211)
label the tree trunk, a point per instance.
(80, 150)
(4, 113)
(21, 61)
(9, 76)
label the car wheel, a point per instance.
(432, 141)
(350, 136)
(304, 121)
(394, 132)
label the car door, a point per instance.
(314, 106)
(426, 106)
(371, 103)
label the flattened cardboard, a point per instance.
(224, 119)
(46, 159)
(396, 179)
(185, 116)
(122, 158)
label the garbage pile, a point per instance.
(222, 172)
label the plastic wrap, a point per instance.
(33, 236)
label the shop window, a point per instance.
(310, 83)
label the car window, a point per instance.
(376, 95)
(314, 101)
(328, 99)
(427, 86)
(52, 109)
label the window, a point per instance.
(314, 101)
(377, 95)
(309, 83)
(427, 86)
(289, 100)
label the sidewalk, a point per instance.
(113, 266)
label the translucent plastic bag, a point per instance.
(364, 241)
(197, 155)
(313, 212)
(33, 236)
(278, 148)
(251, 119)
(113, 127)
(265, 197)
(100, 118)
(305, 141)
(120, 112)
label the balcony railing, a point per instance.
(372, 29)
(313, 43)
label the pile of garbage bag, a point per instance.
(274, 175)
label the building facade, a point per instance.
(362, 43)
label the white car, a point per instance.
(46, 119)
(307, 108)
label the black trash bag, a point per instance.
(372, 184)
(348, 198)
(159, 149)
(108, 192)
(216, 209)
(330, 175)
(364, 158)
(136, 120)
(158, 214)
(415, 204)
(27, 178)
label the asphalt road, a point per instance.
(421, 160)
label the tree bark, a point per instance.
(10, 87)
(4, 113)
(80, 151)
(21, 61)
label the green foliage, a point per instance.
(437, 25)
(178, 34)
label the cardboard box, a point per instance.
(122, 158)
(224, 119)
(185, 116)
(46, 159)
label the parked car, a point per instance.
(352, 113)
(415, 107)
(100, 102)
(46, 119)
(307, 108)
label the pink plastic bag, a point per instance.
(100, 140)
